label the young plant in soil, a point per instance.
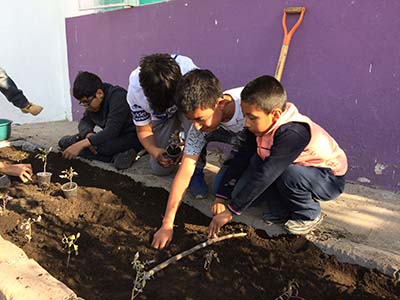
(174, 148)
(209, 257)
(44, 177)
(69, 244)
(69, 188)
(26, 226)
(5, 198)
(290, 292)
(142, 276)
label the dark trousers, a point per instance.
(296, 192)
(9, 89)
(107, 150)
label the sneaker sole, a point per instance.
(307, 230)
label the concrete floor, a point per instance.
(362, 226)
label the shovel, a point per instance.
(287, 37)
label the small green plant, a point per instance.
(26, 226)
(69, 174)
(69, 244)
(5, 198)
(291, 291)
(209, 257)
(43, 156)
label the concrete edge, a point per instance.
(22, 278)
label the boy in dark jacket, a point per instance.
(105, 106)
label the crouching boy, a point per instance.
(215, 116)
(105, 106)
(296, 163)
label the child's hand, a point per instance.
(73, 151)
(162, 237)
(23, 171)
(218, 206)
(218, 221)
(162, 159)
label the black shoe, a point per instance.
(124, 160)
(68, 140)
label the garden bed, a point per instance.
(117, 217)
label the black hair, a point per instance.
(158, 77)
(86, 85)
(265, 93)
(197, 89)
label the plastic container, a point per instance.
(44, 179)
(5, 129)
(70, 189)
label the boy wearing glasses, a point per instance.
(106, 107)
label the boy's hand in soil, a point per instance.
(218, 206)
(218, 221)
(74, 150)
(23, 171)
(162, 237)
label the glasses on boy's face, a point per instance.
(86, 102)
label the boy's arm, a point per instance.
(178, 190)
(116, 118)
(85, 126)
(289, 141)
(237, 164)
(148, 141)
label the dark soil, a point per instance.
(116, 217)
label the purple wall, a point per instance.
(343, 68)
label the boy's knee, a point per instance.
(68, 140)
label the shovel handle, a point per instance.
(292, 10)
(287, 37)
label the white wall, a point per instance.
(33, 52)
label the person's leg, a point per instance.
(302, 187)
(162, 131)
(16, 96)
(270, 195)
(68, 140)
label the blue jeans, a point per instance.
(9, 89)
(296, 191)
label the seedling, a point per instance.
(290, 292)
(43, 156)
(174, 148)
(69, 243)
(142, 276)
(209, 257)
(69, 174)
(26, 226)
(5, 198)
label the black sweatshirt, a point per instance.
(289, 141)
(114, 117)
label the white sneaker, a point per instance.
(302, 226)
